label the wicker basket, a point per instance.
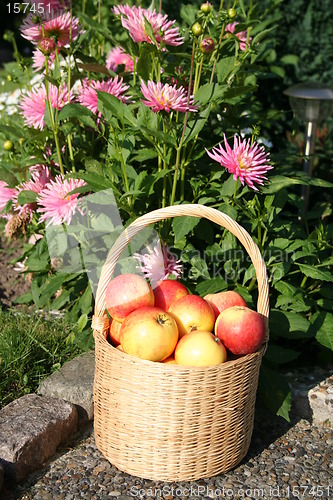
(169, 422)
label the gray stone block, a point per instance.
(74, 382)
(31, 429)
(321, 402)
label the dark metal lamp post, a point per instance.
(312, 103)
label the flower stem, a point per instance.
(164, 168)
(69, 136)
(175, 177)
(53, 123)
(218, 51)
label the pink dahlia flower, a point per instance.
(117, 57)
(40, 177)
(158, 263)
(87, 92)
(246, 162)
(241, 35)
(55, 202)
(33, 104)
(6, 194)
(133, 19)
(60, 27)
(166, 97)
(38, 60)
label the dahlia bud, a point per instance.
(207, 45)
(206, 8)
(197, 29)
(35, 19)
(47, 46)
(232, 13)
(8, 145)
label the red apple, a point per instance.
(200, 349)
(125, 293)
(149, 333)
(192, 313)
(168, 291)
(114, 332)
(170, 360)
(222, 300)
(240, 329)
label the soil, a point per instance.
(12, 283)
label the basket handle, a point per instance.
(193, 210)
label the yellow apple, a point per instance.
(149, 333)
(200, 349)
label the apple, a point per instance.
(240, 329)
(222, 300)
(168, 291)
(114, 332)
(170, 360)
(125, 293)
(149, 333)
(200, 349)
(192, 313)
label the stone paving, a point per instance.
(285, 460)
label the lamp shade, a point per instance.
(311, 101)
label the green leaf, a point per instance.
(150, 32)
(289, 59)
(278, 182)
(86, 300)
(210, 92)
(183, 225)
(195, 126)
(322, 326)
(24, 299)
(95, 181)
(213, 285)
(289, 325)
(82, 322)
(74, 110)
(275, 391)
(144, 154)
(315, 273)
(50, 287)
(261, 35)
(27, 196)
(95, 68)
(224, 67)
(279, 355)
(233, 92)
(167, 138)
(143, 65)
(118, 109)
(286, 288)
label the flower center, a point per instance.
(244, 162)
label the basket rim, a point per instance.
(230, 363)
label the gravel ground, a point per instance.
(285, 460)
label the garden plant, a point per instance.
(150, 110)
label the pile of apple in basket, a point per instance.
(170, 325)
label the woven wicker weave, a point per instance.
(169, 422)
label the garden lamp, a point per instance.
(312, 103)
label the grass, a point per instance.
(31, 348)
